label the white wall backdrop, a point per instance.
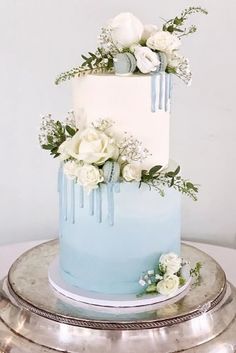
(41, 38)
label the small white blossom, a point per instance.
(131, 172)
(164, 41)
(142, 282)
(89, 176)
(168, 285)
(170, 262)
(147, 60)
(150, 272)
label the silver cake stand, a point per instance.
(36, 319)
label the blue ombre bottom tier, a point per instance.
(100, 256)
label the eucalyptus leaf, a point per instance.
(70, 130)
(154, 169)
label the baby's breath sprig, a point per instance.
(53, 133)
(158, 179)
(176, 24)
(132, 150)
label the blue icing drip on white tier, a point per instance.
(153, 92)
(91, 203)
(167, 92)
(99, 204)
(81, 197)
(160, 91)
(110, 203)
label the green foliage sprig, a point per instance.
(176, 24)
(196, 272)
(158, 179)
(93, 63)
(55, 135)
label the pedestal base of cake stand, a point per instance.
(35, 318)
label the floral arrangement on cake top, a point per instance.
(171, 273)
(99, 154)
(126, 46)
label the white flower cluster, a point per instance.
(91, 152)
(126, 32)
(167, 280)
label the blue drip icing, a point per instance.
(65, 197)
(154, 93)
(81, 197)
(99, 205)
(110, 203)
(59, 177)
(91, 203)
(73, 201)
(167, 93)
(117, 187)
(161, 91)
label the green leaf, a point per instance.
(154, 169)
(47, 147)
(70, 130)
(84, 57)
(178, 21)
(152, 288)
(177, 170)
(50, 139)
(170, 28)
(182, 281)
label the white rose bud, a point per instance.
(168, 285)
(92, 146)
(132, 172)
(170, 262)
(147, 60)
(89, 176)
(148, 31)
(163, 41)
(63, 150)
(71, 169)
(126, 29)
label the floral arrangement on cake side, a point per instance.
(171, 273)
(128, 46)
(99, 153)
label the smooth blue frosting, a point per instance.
(109, 237)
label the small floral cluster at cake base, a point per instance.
(171, 273)
(127, 46)
(100, 154)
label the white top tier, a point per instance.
(138, 104)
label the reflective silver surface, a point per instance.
(34, 318)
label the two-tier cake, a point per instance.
(119, 194)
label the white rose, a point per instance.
(163, 41)
(126, 29)
(91, 146)
(63, 150)
(168, 285)
(147, 60)
(148, 31)
(89, 176)
(71, 169)
(171, 263)
(131, 172)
